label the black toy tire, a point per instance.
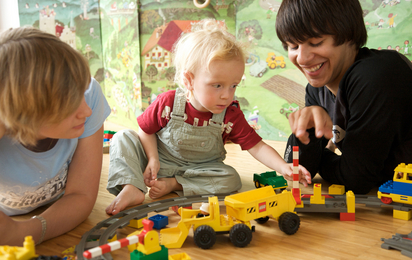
(289, 223)
(262, 220)
(204, 236)
(240, 235)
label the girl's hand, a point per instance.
(304, 175)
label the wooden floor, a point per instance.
(321, 235)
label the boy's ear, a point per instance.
(188, 80)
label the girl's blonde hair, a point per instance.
(208, 40)
(42, 80)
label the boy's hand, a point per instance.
(304, 175)
(309, 117)
(150, 173)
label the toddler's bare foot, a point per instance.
(129, 196)
(163, 186)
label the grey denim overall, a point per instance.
(193, 155)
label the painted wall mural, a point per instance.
(128, 45)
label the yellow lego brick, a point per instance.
(150, 243)
(136, 223)
(335, 189)
(181, 256)
(114, 238)
(350, 201)
(404, 215)
(317, 197)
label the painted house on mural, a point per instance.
(47, 23)
(158, 48)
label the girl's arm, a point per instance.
(271, 158)
(2, 129)
(74, 207)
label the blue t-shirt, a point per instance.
(28, 179)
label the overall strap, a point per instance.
(179, 105)
(217, 119)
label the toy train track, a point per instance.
(400, 242)
(337, 203)
(106, 229)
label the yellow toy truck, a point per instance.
(240, 209)
(274, 61)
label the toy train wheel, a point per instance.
(262, 220)
(289, 223)
(386, 200)
(257, 184)
(205, 237)
(240, 235)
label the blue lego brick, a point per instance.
(159, 221)
(401, 188)
(386, 187)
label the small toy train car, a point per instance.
(270, 179)
(400, 188)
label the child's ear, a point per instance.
(188, 80)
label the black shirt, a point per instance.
(372, 118)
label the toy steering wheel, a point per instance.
(205, 4)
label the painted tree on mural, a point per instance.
(151, 71)
(149, 20)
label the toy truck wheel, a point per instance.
(257, 184)
(287, 115)
(240, 235)
(262, 220)
(205, 237)
(289, 223)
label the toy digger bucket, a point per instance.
(174, 237)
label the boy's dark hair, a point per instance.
(299, 20)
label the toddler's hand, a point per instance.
(150, 173)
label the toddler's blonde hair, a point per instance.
(208, 40)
